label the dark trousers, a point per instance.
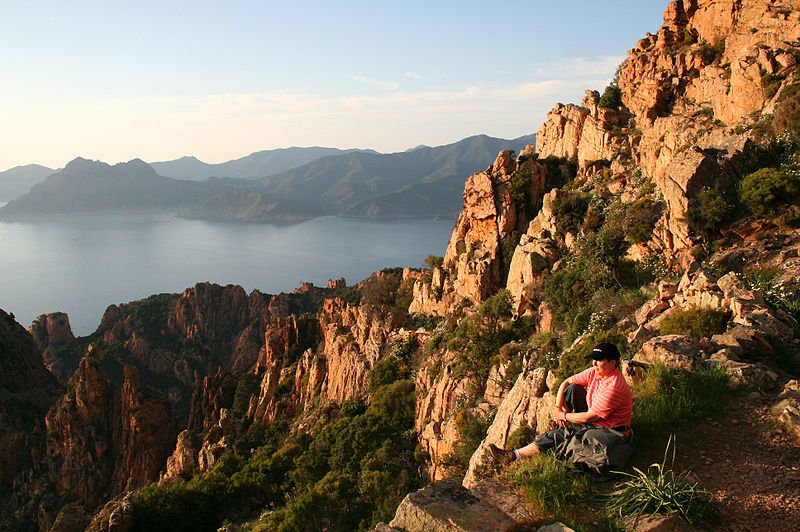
(575, 398)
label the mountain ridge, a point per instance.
(425, 182)
(369, 184)
(18, 180)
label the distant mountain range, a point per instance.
(19, 180)
(255, 165)
(93, 186)
(423, 181)
(420, 182)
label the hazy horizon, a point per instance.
(115, 82)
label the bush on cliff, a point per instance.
(612, 97)
(350, 475)
(479, 336)
(569, 210)
(710, 210)
(765, 191)
(356, 470)
(471, 425)
(697, 322)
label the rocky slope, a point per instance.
(605, 228)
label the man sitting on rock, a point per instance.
(596, 398)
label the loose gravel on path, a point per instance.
(750, 466)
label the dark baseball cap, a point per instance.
(604, 351)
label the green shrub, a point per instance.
(547, 350)
(245, 389)
(350, 475)
(640, 219)
(521, 437)
(395, 365)
(662, 491)
(569, 210)
(770, 84)
(765, 191)
(380, 288)
(709, 211)
(471, 425)
(612, 97)
(560, 170)
(434, 261)
(787, 112)
(521, 189)
(697, 322)
(479, 336)
(711, 53)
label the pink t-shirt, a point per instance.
(609, 397)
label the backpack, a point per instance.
(598, 450)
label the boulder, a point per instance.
(521, 407)
(755, 376)
(673, 350)
(650, 310)
(746, 342)
(445, 506)
(787, 409)
(657, 523)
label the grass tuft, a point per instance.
(660, 490)
(552, 487)
(666, 397)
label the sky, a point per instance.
(218, 80)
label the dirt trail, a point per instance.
(751, 467)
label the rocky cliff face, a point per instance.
(50, 331)
(709, 72)
(169, 385)
(688, 97)
(103, 441)
(487, 230)
(27, 390)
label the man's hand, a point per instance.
(560, 417)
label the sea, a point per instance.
(82, 263)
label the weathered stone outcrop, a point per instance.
(224, 320)
(588, 132)
(534, 256)
(105, 440)
(215, 394)
(115, 516)
(50, 331)
(183, 461)
(328, 355)
(686, 88)
(752, 332)
(525, 405)
(27, 390)
(445, 506)
(478, 253)
(438, 394)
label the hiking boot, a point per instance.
(501, 455)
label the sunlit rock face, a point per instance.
(479, 252)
